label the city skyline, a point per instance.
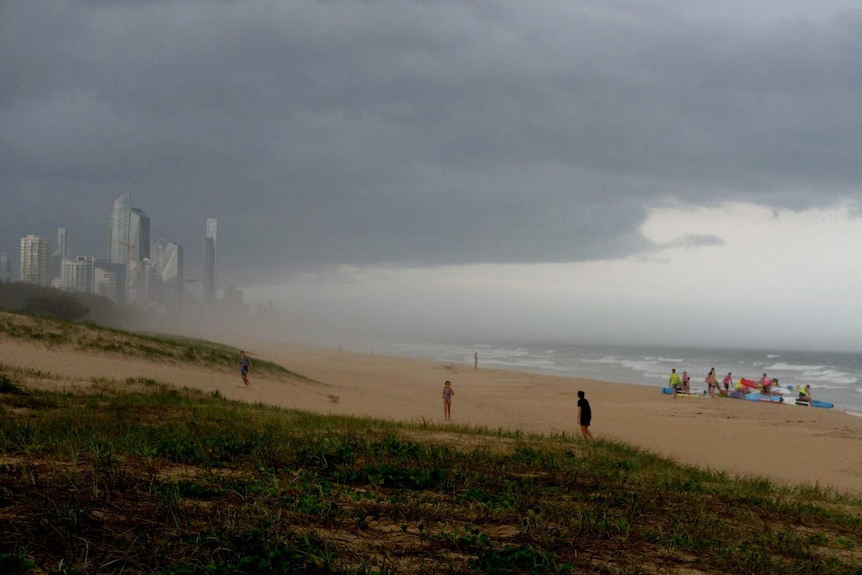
(134, 270)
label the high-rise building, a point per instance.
(35, 262)
(60, 254)
(5, 268)
(118, 230)
(139, 250)
(62, 246)
(210, 255)
(151, 284)
(169, 266)
(107, 283)
(119, 242)
(78, 275)
(139, 235)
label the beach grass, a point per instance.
(92, 338)
(133, 476)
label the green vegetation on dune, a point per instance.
(97, 339)
(138, 477)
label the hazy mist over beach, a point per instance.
(612, 173)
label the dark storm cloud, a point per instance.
(414, 133)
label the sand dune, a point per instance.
(785, 443)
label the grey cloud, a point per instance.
(696, 241)
(415, 133)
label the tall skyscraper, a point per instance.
(62, 246)
(139, 235)
(210, 256)
(139, 250)
(169, 266)
(60, 254)
(5, 268)
(118, 230)
(118, 245)
(35, 261)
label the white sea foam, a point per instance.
(606, 359)
(832, 376)
(792, 367)
(532, 364)
(649, 369)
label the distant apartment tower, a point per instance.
(78, 275)
(139, 251)
(60, 254)
(118, 246)
(106, 282)
(151, 284)
(118, 230)
(210, 255)
(139, 235)
(5, 268)
(169, 267)
(35, 260)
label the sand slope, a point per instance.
(785, 443)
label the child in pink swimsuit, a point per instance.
(447, 400)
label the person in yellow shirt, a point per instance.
(675, 382)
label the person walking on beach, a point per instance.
(447, 400)
(475, 360)
(585, 416)
(728, 379)
(674, 382)
(685, 379)
(244, 366)
(711, 382)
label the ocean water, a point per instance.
(834, 377)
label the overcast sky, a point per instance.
(615, 171)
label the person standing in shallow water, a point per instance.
(585, 416)
(244, 366)
(447, 400)
(475, 360)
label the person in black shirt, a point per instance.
(585, 415)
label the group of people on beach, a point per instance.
(584, 411)
(765, 386)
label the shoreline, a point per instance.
(834, 377)
(787, 444)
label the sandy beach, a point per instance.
(784, 443)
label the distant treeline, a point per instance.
(54, 303)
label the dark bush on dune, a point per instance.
(57, 305)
